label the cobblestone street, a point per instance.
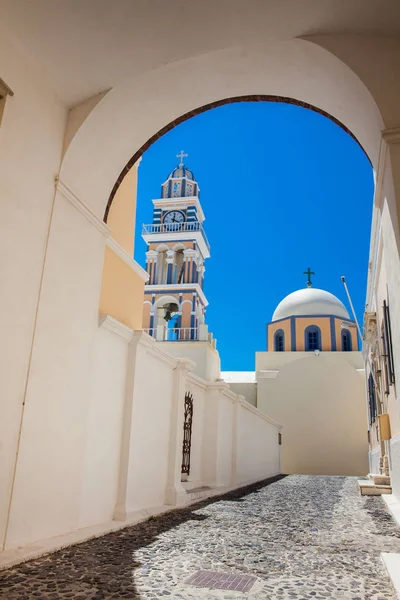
(299, 537)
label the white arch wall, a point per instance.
(376, 61)
(129, 115)
(352, 78)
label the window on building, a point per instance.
(387, 347)
(346, 341)
(372, 399)
(176, 189)
(279, 341)
(312, 338)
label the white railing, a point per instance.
(183, 334)
(177, 334)
(174, 227)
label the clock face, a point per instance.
(174, 216)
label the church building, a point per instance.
(177, 248)
(311, 379)
(175, 304)
(311, 319)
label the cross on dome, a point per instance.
(181, 155)
(309, 273)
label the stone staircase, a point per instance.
(196, 493)
(199, 493)
(375, 485)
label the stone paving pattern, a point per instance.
(302, 537)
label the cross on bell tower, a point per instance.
(309, 273)
(181, 155)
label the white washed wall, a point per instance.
(149, 401)
(240, 442)
(32, 131)
(384, 284)
(257, 451)
(210, 438)
(373, 458)
(395, 465)
(103, 442)
(48, 481)
(205, 357)
(247, 389)
(225, 438)
(116, 452)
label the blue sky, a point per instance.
(283, 189)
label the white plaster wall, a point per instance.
(246, 389)
(395, 465)
(226, 439)
(320, 402)
(240, 442)
(373, 457)
(150, 427)
(104, 431)
(206, 358)
(384, 284)
(210, 437)
(49, 476)
(389, 283)
(257, 449)
(108, 453)
(32, 117)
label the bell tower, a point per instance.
(177, 248)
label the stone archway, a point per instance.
(185, 117)
(103, 135)
(130, 117)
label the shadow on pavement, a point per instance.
(102, 568)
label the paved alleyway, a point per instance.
(299, 537)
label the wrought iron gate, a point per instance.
(187, 433)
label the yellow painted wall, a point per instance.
(338, 331)
(122, 215)
(186, 314)
(122, 291)
(354, 338)
(322, 322)
(157, 295)
(146, 315)
(273, 327)
(122, 288)
(301, 324)
(170, 245)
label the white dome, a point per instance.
(310, 301)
